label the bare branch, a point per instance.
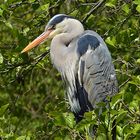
(92, 10)
(125, 82)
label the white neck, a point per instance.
(59, 49)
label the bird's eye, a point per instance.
(51, 27)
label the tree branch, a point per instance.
(92, 10)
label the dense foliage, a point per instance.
(32, 95)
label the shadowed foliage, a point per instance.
(32, 95)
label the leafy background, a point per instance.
(32, 101)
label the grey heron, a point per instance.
(83, 60)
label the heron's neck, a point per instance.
(59, 48)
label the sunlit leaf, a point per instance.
(69, 118)
(8, 24)
(3, 109)
(136, 2)
(116, 98)
(111, 41)
(138, 61)
(110, 5)
(138, 8)
(102, 136)
(31, 0)
(21, 138)
(1, 11)
(121, 115)
(1, 58)
(125, 8)
(44, 7)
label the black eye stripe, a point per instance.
(55, 20)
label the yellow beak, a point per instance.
(37, 41)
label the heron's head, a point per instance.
(60, 23)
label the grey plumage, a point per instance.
(85, 64)
(83, 60)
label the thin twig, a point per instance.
(130, 110)
(92, 10)
(37, 59)
(15, 5)
(118, 25)
(125, 82)
(87, 4)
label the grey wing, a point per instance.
(96, 72)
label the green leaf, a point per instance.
(1, 12)
(136, 128)
(1, 58)
(138, 8)
(25, 30)
(28, 138)
(32, 1)
(3, 109)
(111, 41)
(110, 5)
(136, 2)
(114, 112)
(135, 80)
(115, 99)
(102, 136)
(138, 61)
(14, 120)
(74, 13)
(69, 118)
(89, 115)
(44, 7)
(121, 116)
(9, 1)
(8, 24)
(21, 138)
(125, 8)
(119, 129)
(59, 120)
(132, 129)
